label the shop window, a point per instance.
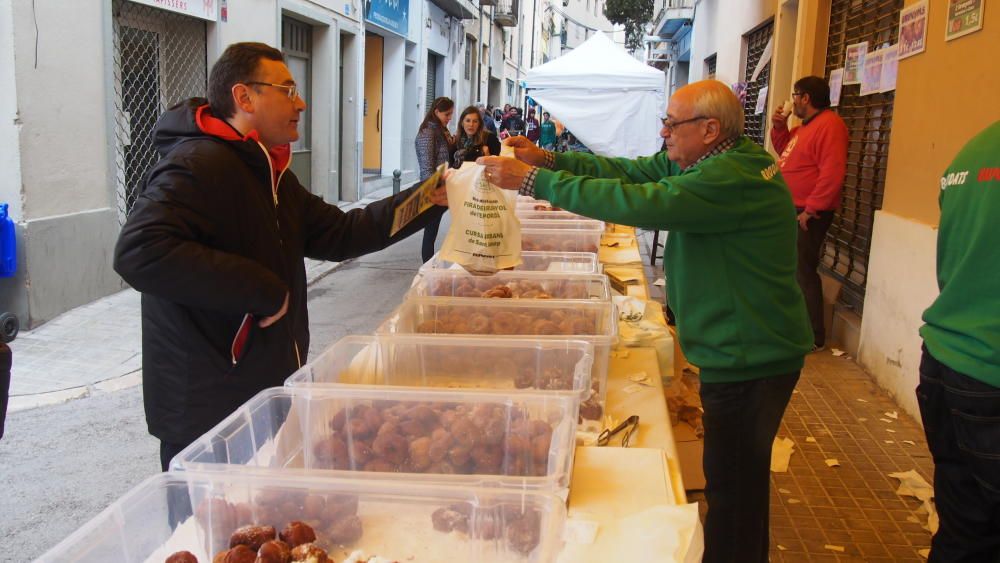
(756, 42)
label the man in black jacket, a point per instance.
(215, 243)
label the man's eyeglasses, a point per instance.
(292, 89)
(799, 94)
(670, 125)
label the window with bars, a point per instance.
(159, 59)
(756, 41)
(869, 122)
(710, 66)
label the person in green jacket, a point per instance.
(959, 389)
(548, 138)
(730, 263)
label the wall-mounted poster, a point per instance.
(761, 101)
(964, 17)
(871, 78)
(912, 29)
(890, 60)
(836, 84)
(855, 62)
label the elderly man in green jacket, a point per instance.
(730, 263)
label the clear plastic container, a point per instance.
(471, 438)
(562, 236)
(513, 285)
(476, 362)
(194, 512)
(542, 319)
(535, 261)
(525, 214)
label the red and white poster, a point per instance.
(854, 62)
(202, 9)
(912, 29)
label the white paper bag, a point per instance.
(485, 234)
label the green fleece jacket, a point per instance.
(730, 257)
(963, 324)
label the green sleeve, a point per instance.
(642, 169)
(705, 199)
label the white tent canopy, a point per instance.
(606, 98)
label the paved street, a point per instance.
(61, 465)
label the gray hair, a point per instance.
(717, 100)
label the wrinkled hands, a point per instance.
(509, 173)
(779, 120)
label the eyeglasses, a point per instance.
(670, 125)
(293, 89)
(800, 94)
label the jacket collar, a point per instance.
(281, 155)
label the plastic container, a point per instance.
(391, 434)
(562, 236)
(590, 321)
(171, 512)
(535, 261)
(476, 362)
(513, 285)
(525, 214)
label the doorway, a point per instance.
(296, 44)
(372, 111)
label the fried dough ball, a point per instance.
(309, 553)
(345, 531)
(274, 551)
(252, 536)
(297, 533)
(182, 557)
(504, 322)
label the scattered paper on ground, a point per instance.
(862, 420)
(860, 400)
(889, 441)
(886, 420)
(794, 391)
(890, 430)
(892, 414)
(837, 548)
(784, 491)
(837, 352)
(781, 454)
(913, 485)
(794, 501)
(832, 462)
(810, 439)
(910, 442)
(781, 547)
(925, 553)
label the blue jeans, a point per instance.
(430, 236)
(961, 417)
(741, 420)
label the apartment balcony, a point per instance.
(461, 9)
(675, 18)
(506, 13)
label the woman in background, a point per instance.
(435, 145)
(473, 140)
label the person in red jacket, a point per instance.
(813, 162)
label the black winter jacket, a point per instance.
(209, 241)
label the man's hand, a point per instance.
(526, 151)
(803, 219)
(264, 323)
(440, 195)
(508, 173)
(779, 119)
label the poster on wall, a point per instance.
(871, 77)
(964, 17)
(890, 66)
(912, 29)
(855, 62)
(761, 101)
(836, 85)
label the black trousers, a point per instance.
(741, 421)
(5, 365)
(810, 245)
(961, 417)
(430, 235)
(167, 453)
